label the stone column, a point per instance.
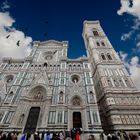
(56, 117)
(84, 120)
(63, 114)
(69, 120)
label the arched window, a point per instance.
(103, 56)
(95, 33)
(103, 44)
(70, 66)
(127, 83)
(109, 82)
(74, 66)
(121, 83)
(116, 83)
(11, 93)
(109, 56)
(98, 44)
(45, 64)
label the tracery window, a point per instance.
(103, 56)
(109, 56)
(95, 33)
(103, 44)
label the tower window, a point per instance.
(45, 64)
(98, 44)
(109, 56)
(103, 44)
(103, 56)
(95, 33)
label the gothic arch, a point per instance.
(37, 92)
(76, 101)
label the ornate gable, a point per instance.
(54, 43)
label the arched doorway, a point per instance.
(32, 120)
(77, 123)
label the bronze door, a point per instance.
(77, 123)
(32, 120)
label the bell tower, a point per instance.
(113, 85)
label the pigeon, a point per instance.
(7, 36)
(18, 42)
(45, 34)
(46, 22)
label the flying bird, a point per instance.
(46, 22)
(45, 34)
(18, 42)
(7, 36)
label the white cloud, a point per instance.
(138, 45)
(133, 66)
(5, 5)
(127, 36)
(6, 20)
(131, 7)
(8, 45)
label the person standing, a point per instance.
(61, 136)
(72, 134)
(77, 136)
(48, 135)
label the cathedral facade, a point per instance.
(49, 91)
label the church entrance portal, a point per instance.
(32, 120)
(77, 123)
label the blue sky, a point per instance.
(120, 19)
(65, 21)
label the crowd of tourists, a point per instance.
(74, 134)
(120, 135)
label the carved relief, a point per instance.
(76, 101)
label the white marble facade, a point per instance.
(60, 87)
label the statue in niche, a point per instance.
(21, 118)
(61, 96)
(91, 96)
(76, 101)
